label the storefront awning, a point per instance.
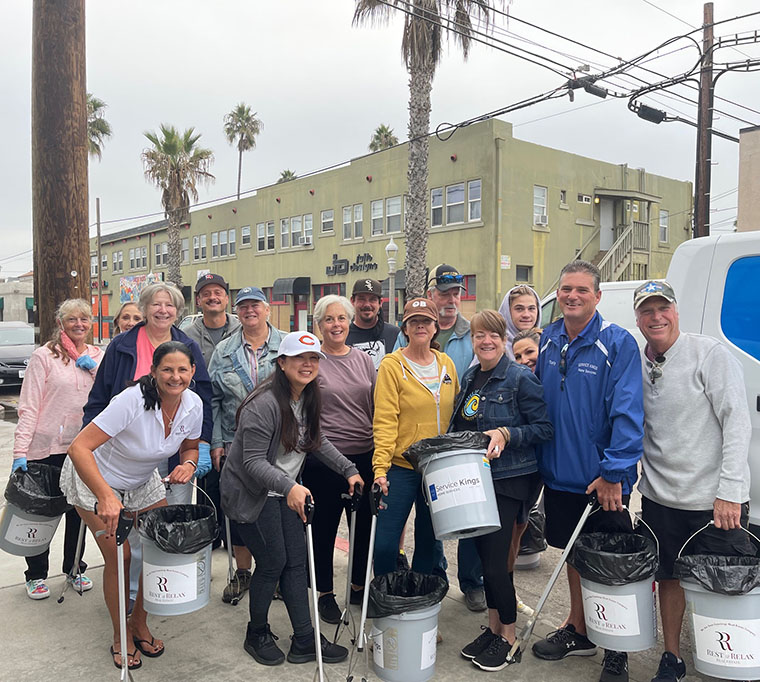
(287, 286)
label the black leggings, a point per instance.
(327, 487)
(37, 566)
(494, 555)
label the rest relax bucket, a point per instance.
(404, 645)
(25, 534)
(460, 494)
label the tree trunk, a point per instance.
(420, 84)
(174, 254)
(59, 158)
(240, 170)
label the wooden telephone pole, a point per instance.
(59, 157)
(703, 170)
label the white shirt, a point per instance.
(137, 443)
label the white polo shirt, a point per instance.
(137, 443)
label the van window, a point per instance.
(740, 313)
(548, 310)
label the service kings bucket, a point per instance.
(25, 534)
(460, 494)
(404, 645)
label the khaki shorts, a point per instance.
(78, 494)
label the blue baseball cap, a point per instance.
(250, 294)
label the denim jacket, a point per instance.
(512, 397)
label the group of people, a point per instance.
(266, 420)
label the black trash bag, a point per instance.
(403, 591)
(37, 490)
(532, 540)
(731, 575)
(419, 452)
(614, 558)
(180, 528)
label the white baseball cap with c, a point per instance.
(297, 343)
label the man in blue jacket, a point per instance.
(591, 372)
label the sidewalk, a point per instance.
(70, 641)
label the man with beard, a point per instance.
(368, 332)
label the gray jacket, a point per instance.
(197, 332)
(249, 472)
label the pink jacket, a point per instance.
(51, 404)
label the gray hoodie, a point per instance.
(504, 311)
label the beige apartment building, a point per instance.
(748, 216)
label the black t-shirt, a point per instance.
(464, 420)
(376, 342)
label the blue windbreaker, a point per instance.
(597, 412)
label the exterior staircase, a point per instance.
(617, 264)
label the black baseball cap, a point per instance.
(444, 277)
(210, 278)
(367, 286)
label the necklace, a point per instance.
(170, 420)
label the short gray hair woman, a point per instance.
(326, 301)
(149, 293)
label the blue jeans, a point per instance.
(469, 567)
(405, 490)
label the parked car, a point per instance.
(16, 346)
(187, 320)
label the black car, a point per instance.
(16, 346)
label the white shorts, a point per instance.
(78, 494)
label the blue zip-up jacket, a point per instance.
(511, 397)
(118, 368)
(597, 411)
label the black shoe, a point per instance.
(615, 666)
(476, 599)
(479, 644)
(261, 646)
(237, 587)
(563, 642)
(357, 596)
(495, 656)
(331, 653)
(671, 669)
(328, 609)
(402, 563)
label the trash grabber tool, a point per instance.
(75, 571)
(308, 509)
(354, 502)
(375, 504)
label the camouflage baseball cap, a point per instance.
(653, 288)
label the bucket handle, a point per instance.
(199, 489)
(711, 522)
(638, 520)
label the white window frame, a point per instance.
(393, 226)
(261, 237)
(223, 251)
(296, 233)
(284, 233)
(197, 247)
(104, 263)
(376, 218)
(474, 205)
(184, 250)
(664, 226)
(540, 198)
(436, 207)
(215, 245)
(358, 221)
(327, 218)
(143, 257)
(270, 235)
(131, 259)
(94, 266)
(232, 242)
(245, 236)
(454, 204)
(348, 222)
(308, 228)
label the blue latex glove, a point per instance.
(204, 460)
(19, 463)
(86, 362)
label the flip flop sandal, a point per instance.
(144, 650)
(134, 666)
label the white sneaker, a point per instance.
(82, 583)
(37, 589)
(524, 608)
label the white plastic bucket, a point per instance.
(526, 562)
(404, 645)
(460, 494)
(620, 617)
(25, 534)
(174, 584)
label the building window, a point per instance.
(524, 273)
(231, 241)
(320, 290)
(261, 237)
(143, 256)
(539, 205)
(436, 207)
(470, 288)
(161, 253)
(393, 214)
(245, 235)
(284, 233)
(664, 219)
(584, 198)
(347, 222)
(473, 199)
(563, 196)
(295, 231)
(131, 259)
(358, 221)
(281, 300)
(223, 243)
(184, 250)
(199, 247)
(93, 266)
(118, 261)
(270, 235)
(327, 220)
(455, 204)
(104, 263)
(215, 245)
(308, 231)
(376, 213)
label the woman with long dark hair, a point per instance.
(277, 425)
(112, 462)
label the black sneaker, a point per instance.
(615, 666)
(328, 609)
(237, 587)
(357, 596)
(331, 653)
(479, 644)
(495, 656)
(563, 642)
(671, 669)
(475, 600)
(261, 646)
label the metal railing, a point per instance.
(619, 252)
(641, 236)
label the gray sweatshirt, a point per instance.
(696, 427)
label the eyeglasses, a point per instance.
(449, 279)
(655, 372)
(563, 365)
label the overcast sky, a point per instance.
(321, 86)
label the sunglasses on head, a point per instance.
(449, 279)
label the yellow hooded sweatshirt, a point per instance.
(406, 410)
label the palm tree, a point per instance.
(98, 129)
(176, 165)
(383, 138)
(286, 175)
(241, 127)
(421, 47)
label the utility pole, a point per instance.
(59, 157)
(100, 274)
(704, 130)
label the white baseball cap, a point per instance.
(296, 343)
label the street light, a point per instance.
(391, 249)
